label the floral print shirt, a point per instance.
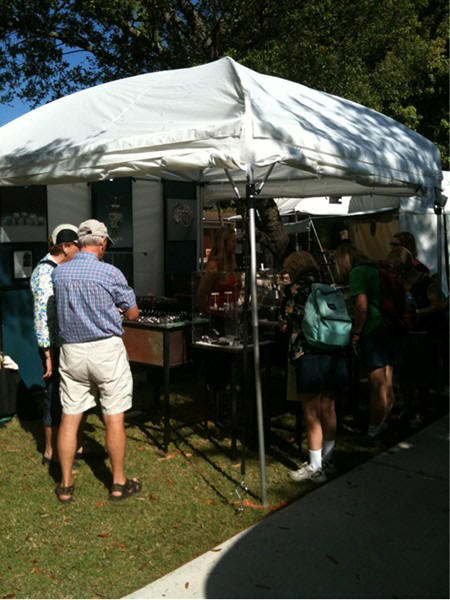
(45, 324)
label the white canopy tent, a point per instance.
(324, 206)
(414, 216)
(220, 124)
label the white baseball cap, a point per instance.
(93, 227)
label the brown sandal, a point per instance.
(64, 491)
(127, 489)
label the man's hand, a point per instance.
(132, 313)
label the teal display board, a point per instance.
(19, 340)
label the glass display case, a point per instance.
(218, 305)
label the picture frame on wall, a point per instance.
(22, 264)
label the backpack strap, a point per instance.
(46, 261)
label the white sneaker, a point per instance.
(307, 472)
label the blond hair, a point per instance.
(226, 260)
(346, 257)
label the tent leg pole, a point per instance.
(250, 198)
(439, 217)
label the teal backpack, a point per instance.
(326, 324)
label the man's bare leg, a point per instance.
(115, 444)
(67, 446)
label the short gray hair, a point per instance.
(90, 240)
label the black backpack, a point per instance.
(394, 306)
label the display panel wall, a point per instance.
(181, 224)
(23, 235)
(68, 203)
(112, 204)
(148, 238)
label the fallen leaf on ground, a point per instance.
(104, 535)
(167, 457)
(36, 570)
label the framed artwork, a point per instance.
(23, 214)
(112, 204)
(181, 218)
(22, 264)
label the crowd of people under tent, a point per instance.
(410, 344)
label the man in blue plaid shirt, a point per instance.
(91, 297)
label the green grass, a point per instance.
(96, 549)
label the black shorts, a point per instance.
(381, 347)
(320, 372)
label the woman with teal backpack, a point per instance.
(320, 373)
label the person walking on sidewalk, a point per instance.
(90, 297)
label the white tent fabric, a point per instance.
(347, 205)
(422, 222)
(192, 123)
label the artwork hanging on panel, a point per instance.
(22, 264)
(112, 204)
(23, 214)
(181, 220)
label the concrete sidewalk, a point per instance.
(378, 531)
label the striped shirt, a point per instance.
(88, 294)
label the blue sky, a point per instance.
(8, 112)
(15, 109)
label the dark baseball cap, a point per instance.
(64, 233)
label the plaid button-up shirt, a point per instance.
(88, 294)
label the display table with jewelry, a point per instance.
(220, 326)
(158, 338)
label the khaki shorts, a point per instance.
(92, 369)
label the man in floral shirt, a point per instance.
(63, 245)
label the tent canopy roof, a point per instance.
(191, 124)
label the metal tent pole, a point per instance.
(250, 199)
(438, 210)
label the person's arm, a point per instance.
(43, 297)
(48, 363)
(124, 297)
(205, 285)
(359, 317)
(436, 303)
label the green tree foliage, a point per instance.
(391, 55)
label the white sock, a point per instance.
(315, 459)
(327, 449)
